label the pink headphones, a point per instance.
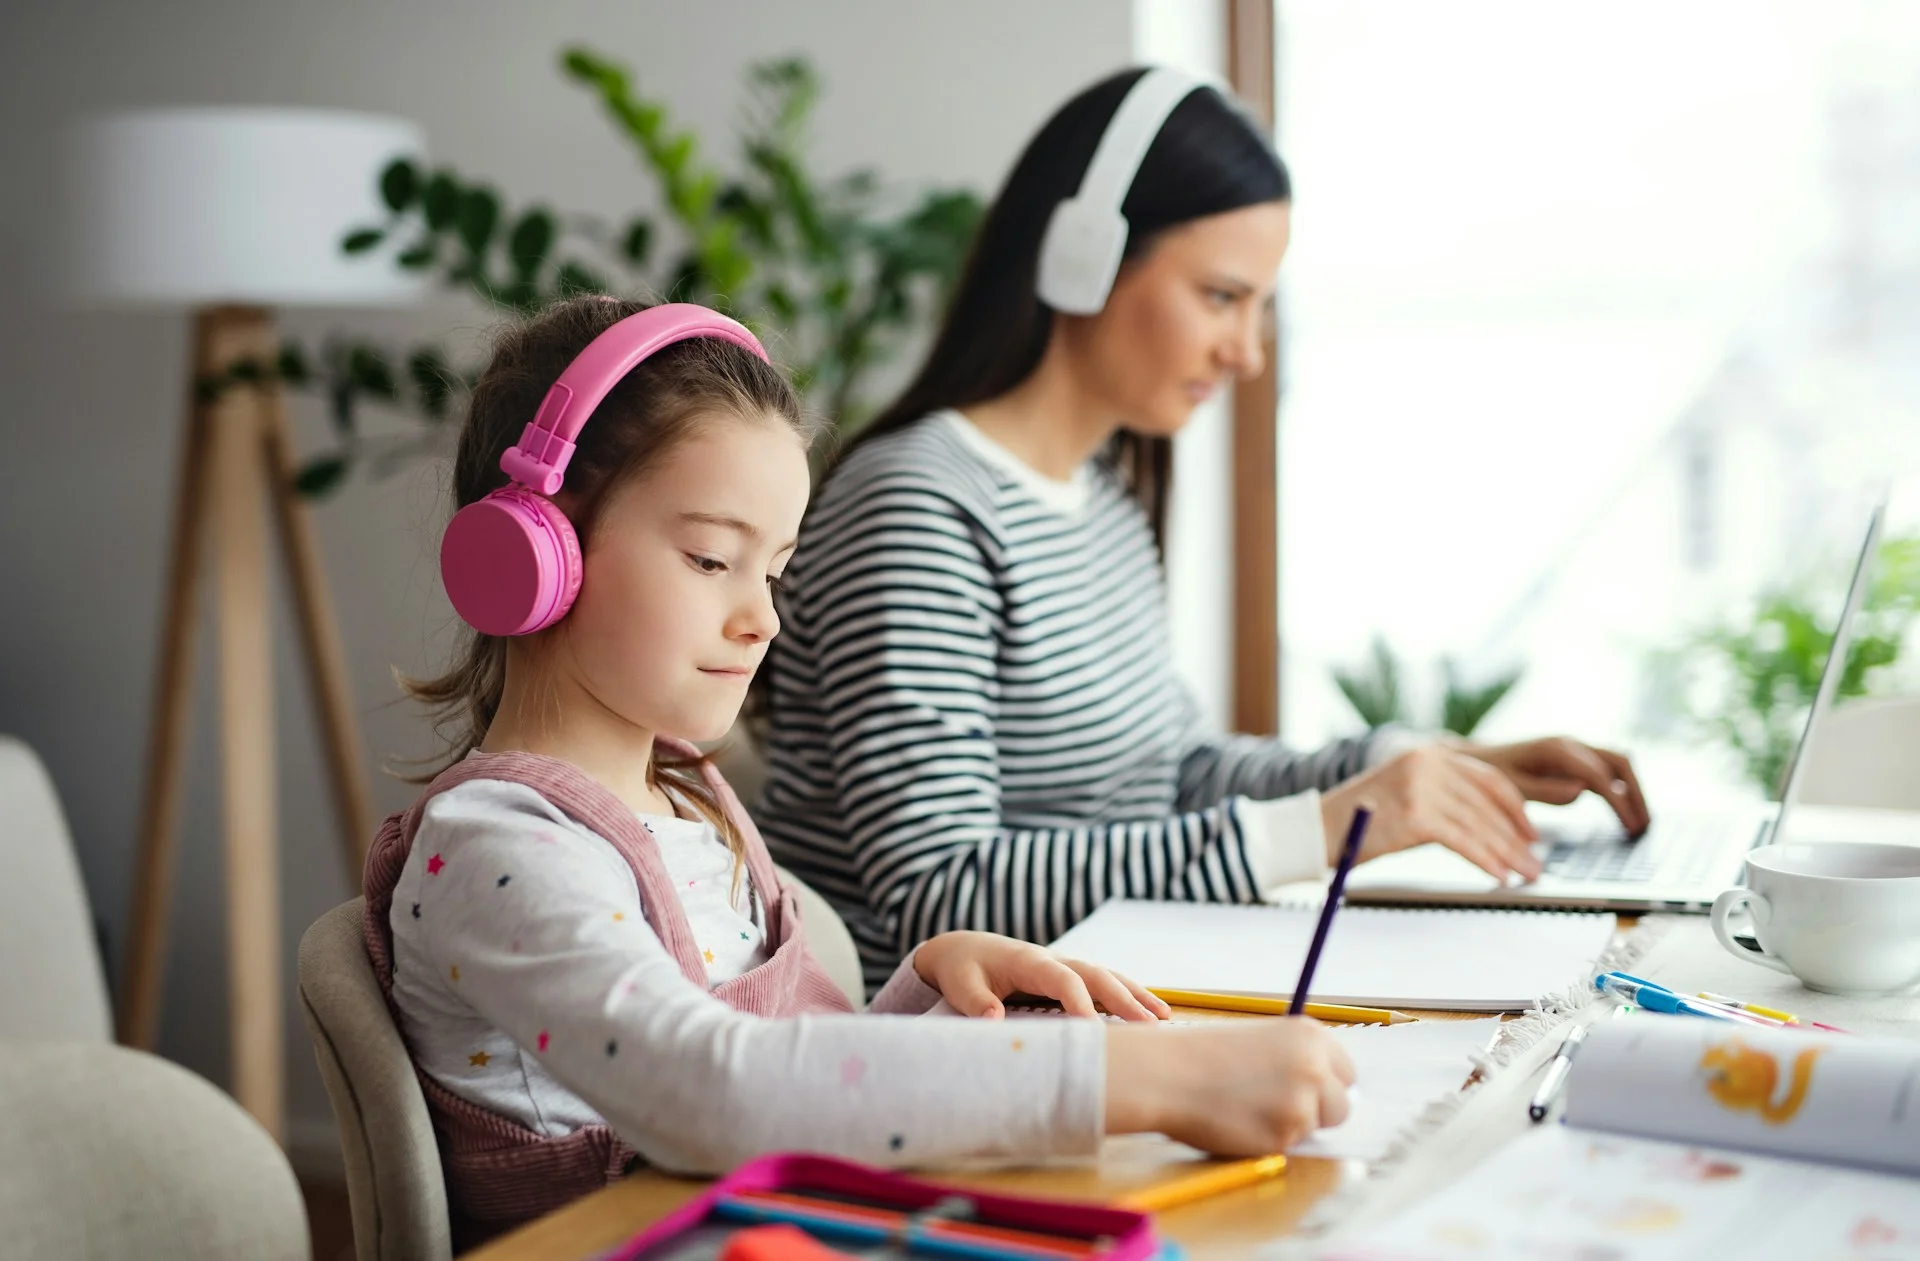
(511, 562)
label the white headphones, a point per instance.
(1080, 254)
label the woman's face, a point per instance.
(1183, 318)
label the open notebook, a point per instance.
(1445, 959)
(1693, 1138)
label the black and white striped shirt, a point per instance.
(975, 717)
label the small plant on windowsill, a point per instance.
(1374, 691)
(835, 274)
(1747, 682)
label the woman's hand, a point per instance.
(1230, 1087)
(1437, 793)
(974, 971)
(1558, 769)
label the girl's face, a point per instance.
(1183, 318)
(676, 603)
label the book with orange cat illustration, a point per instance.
(1688, 1138)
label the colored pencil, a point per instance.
(1348, 852)
(1199, 1186)
(1337, 1012)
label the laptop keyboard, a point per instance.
(1676, 851)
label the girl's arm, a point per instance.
(550, 950)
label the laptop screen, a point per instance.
(1836, 662)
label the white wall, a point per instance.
(90, 410)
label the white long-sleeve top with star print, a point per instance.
(528, 981)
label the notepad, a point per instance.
(1439, 958)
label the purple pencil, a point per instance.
(1355, 831)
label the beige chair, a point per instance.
(51, 984)
(109, 1153)
(395, 1185)
(1866, 753)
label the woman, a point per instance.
(974, 718)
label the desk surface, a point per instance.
(1230, 1225)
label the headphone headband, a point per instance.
(539, 460)
(1087, 234)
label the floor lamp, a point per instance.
(232, 213)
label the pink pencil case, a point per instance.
(1112, 1234)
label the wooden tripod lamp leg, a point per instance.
(244, 621)
(146, 954)
(320, 638)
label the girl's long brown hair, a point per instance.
(656, 406)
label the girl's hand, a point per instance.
(974, 971)
(1230, 1087)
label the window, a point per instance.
(1596, 321)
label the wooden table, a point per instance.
(1226, 1226)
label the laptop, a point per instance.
(1682, 863)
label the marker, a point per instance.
(1556, 1075)
(1660, 999)
(1784, 1017)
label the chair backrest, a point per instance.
(51, 982)
(828, 938)
(1864, 754)
(110, 1152)
(395, 1185)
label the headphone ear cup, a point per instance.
(1079, 256)
(510, 563)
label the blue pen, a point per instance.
(1659, 998)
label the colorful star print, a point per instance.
(454, 972)
(501, 883)
(434, 865)
(543, 1042)
(479, 1059)
(853, 1070)
(707, 955)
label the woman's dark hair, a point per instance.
(1209, 158)
(660, 403)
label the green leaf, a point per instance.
(1374, 690)
(245, 370)
(320, 475)
(576, 278)
(479, 214)
(440, 201)
(360, 240)
(1463, 706)
(637, 244)
(292, 364)
(419, 256)
(530, 240)
(368, 369)
(521, 296)
(399, 184)
(433, 380)
(340, 400)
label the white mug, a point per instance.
(1844, 917)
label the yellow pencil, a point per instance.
(1280, 1007)
(1198, 1186)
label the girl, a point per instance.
(584, 942)
(974, 717)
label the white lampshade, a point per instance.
(205, 205)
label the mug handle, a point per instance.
(1732, 903)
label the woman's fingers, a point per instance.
(1334, 1102)
(1636, 816)
(1500, 791)
(1477, 813)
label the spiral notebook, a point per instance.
(1438, 958)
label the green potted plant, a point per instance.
(1373, 689)
(1747, 681)
(840, 270)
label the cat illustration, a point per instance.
(1741, 1077)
